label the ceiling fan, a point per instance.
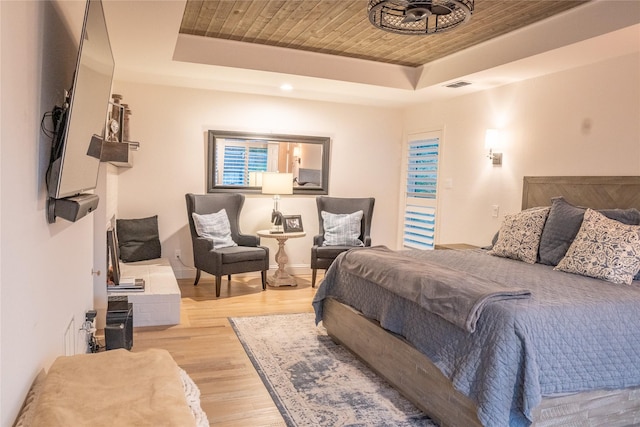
(419, 16)
(418, 10)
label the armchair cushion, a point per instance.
(234, 254)
(331, 252)
(214, 227)
(342, 229)
(138, 239)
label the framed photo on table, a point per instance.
(292, 223)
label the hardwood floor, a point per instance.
(205, 345)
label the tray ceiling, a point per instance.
(341, 27)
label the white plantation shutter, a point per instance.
(421, 192)
(234, 162)
(239, 159)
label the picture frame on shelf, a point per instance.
(292, 223)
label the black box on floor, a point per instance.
(118, 332)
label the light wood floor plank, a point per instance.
(205, 345)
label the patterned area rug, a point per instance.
(315, 382)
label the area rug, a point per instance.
(316, 382)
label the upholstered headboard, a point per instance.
(597, 192)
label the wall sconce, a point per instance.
(296, 154)
(493, 141)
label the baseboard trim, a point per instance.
(184, 272)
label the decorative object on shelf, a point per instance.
(117, 145)
(125, 123)
(114, 130)
(114, 124)
(419, 17)
(277, 183)
(292, 223)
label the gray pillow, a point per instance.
(563, 224)
(138, 239)
(342, 229)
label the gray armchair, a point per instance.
(322, 256)
(247, 256)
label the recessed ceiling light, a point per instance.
(286, 87)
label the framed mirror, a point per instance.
(236, 161)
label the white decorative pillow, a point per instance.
(605, 249)
(342, 229)
(215, 227)
(519, 236)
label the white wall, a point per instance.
(46, 275)
(45, 270)
(171, 125)
(583, 121)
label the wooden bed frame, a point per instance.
(420, 381)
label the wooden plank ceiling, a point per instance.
(342, 27)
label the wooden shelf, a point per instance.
(117, 153)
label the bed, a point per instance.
(537, 347)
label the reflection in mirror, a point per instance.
(236, 161)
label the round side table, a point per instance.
(281, 277)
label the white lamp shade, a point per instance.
(277, 183)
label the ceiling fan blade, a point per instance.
(410, 17)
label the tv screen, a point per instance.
(77, 146)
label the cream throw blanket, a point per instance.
(114, 388)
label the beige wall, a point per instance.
(577, 122)
(171, 125)
(45, 269)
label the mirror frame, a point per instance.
(214, 135)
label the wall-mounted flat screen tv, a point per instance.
(76, 149)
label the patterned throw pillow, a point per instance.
(215, 227)
(519, 235)
(342, 229)
(605, 249)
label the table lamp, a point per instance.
(277, 184)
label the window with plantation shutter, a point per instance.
(240, 159)
(421, 191)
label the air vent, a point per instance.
(460, 83)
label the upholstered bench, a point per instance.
(113, 388)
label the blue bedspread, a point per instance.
(573, 334)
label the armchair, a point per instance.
(224, 261)
(322, 255)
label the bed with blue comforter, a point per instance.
(509, 331)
